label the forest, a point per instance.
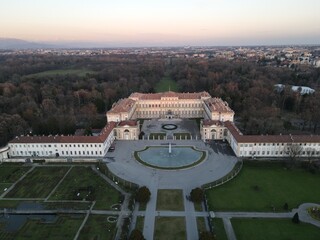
(44, 94)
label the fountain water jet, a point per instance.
(169, 148)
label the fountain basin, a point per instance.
(160, 156)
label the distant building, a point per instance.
(301, 89)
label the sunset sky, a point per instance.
(162, 22)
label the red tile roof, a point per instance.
(131, 123)
(123, 105)
(240, 138)
(158, 96)
(67, 139)
(217, 105)
(209, 122)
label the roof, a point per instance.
(123, 105)
(209, 122)
(159, 96)
(217, 105)
(240, 138)
(67, 139)
(131, 123)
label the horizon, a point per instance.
(163, 23)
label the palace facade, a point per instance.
(122, 124)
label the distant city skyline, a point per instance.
(162, 23)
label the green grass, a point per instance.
(38, 183)
(201, 225)
(265, 229)
(78, 72)
(170, 228)
(219, 230)
(142, 206)
(98, 227)
(10, 173)
(9, 204)
(182, 136)
(170, 199)
(261, 186)
(198, 206)
(140, 223)
(165, 84)
(157, 136)
(82, 178)
(65, 227)
(4, 186)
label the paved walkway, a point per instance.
(123, 164)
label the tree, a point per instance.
(197, 195)
(206, 236)
(143, 195)
(294, 150)
(136, 234)
(295, 218)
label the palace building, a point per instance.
(123, 124)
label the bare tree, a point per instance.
(294, 151)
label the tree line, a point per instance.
(61, 103)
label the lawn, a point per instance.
(182, 136)
(38, 183)
(10, 173)
(4, 186)
(82, 183)
(201, 225)
(98, 227)
(170, 199)
(140, 223)
(170, 228)
(8, 204)
(265, 229)
(157, 136)
(65, 227)
(265, 187)
(218, 229)
(78, 72)
(165, 84)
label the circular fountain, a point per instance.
(170, 157)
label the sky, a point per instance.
(163, 22)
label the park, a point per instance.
(96, 200)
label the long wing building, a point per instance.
(122, 124)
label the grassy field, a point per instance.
(197, 207)
(265, 187)
(201, 225)
(8, 203)
(9, 173)
(140, 223)
(98, 227)
(265, 229)
(170, 228)
(65, 227)
(38, 183)
(165, 84)
(77, 72)
(89, 185)
(170, 199)
(182, 136)
(157, 136)
(219, 229)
